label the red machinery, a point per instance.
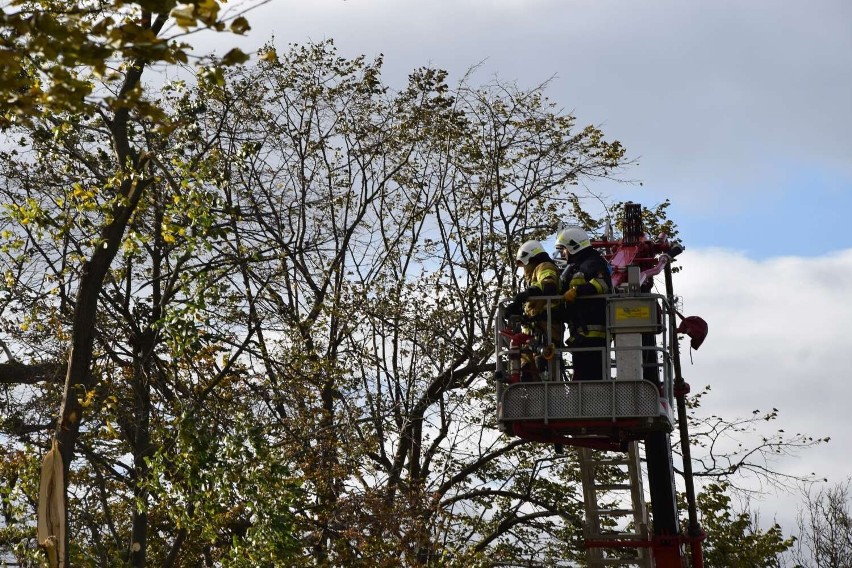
(637, 404)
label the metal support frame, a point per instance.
(609, 431)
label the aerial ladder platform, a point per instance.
(612, 423)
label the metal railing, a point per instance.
(637, 349)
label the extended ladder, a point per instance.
(611, 504)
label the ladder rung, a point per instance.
(613, 486)
(618, 536)
(616, 562)
(614, 512)
(614, 461)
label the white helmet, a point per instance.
(573, 240)
(528, 250)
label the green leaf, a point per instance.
(235, 57)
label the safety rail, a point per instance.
(635, 396)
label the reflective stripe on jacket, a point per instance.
(543, 275)
(591, 277)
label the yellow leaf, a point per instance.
(184, 15)
(269, 55)
(88, 400)
(208, 11)
(111, 431)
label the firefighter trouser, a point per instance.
(588, 365)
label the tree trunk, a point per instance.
(79, 379)
(141, 452)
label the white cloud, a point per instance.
(715, 97)
(779, 338)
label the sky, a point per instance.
(738, 112)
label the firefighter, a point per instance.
(541, 278)
(587, 274)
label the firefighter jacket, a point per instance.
(589, 274)
(543, 276)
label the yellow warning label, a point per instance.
(635, 312)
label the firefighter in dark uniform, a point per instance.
(586, 275)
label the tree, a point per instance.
(390, 222)
(221, 317)
(71, 78)
(825, 528)
(734, 538)
(737, 450)
(75, 57)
